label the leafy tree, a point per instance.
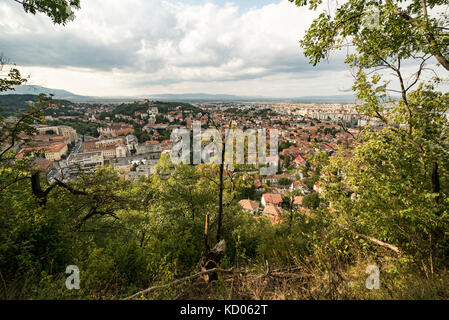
(284, 182)
(59, 11)
(311, 201)
(402, 30)
(185, 194)
(287, 162)
(9, 78)
(396, 175)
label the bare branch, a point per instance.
(374, 240)
(215, 270)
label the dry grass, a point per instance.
(311, 283)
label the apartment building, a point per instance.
(64, 131)
(86, 161)
(115, 130)
(110, 148)
(55, 151)
(52, 152)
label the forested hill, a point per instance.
(14, 104)
(129, 109)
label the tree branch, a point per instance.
(215, 270)
(373, 240)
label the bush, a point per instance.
(311, 201)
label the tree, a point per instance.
(17, 133)
(311, 201)
(393, 185)
(9, 78)
(284, 182)
(59, 11)
(404, 30)
(287, 161)
(14, 134)
(185, 194)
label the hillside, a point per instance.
(128, 109)
(14, 104)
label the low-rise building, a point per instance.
(297, 201)
(55, 151)
(116, 130)
(64, 131)
(274, 213)
(110, 148)
(249, 205)
(271, 198)
(85, 161)
(148, 148)
(298, 185)
(52, 152)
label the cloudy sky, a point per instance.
(138, 47)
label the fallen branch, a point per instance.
(218, 270)
(278, 273)
(374, 240)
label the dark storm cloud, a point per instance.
(67, 51)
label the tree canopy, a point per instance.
(59, 11)
(393, 184)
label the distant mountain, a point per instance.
(200, 96)
(58, 93)
(228, 97)
(188, 97)
(349, 98)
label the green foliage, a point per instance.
(401, 30)
(81, 127)
(392, 186)
(128, 109)
(60, 11)
(11, 79)
(311, 201)
(16, 104)
(284, 182)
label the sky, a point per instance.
(142, 47)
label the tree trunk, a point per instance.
(220, 195)
(220, 205)
(435, 181)
(211, 259)
(206, 235)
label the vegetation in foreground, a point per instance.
(392, 188)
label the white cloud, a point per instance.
(131, 47)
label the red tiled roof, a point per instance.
(272, 210)
(249, 204)
(299, 160)
(152, 142)
(56, 147)
(22, 152)
(257, 184)
(304, 211)
(42, 164)
(298, 184)
(274, 198)
(298, 200)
